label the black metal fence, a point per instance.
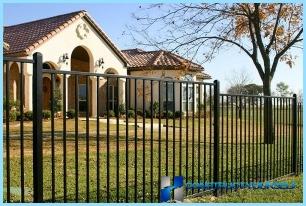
(111, 138)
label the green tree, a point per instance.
(282, 89)
(253, 89)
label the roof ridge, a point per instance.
(37, 20)
(137, 49)
(190, 61)
(157, 57)
(71, 17)
(176, 57)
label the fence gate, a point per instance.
(110, 138)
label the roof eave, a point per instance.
(81, 14)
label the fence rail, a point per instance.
(110, 138)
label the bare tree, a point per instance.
(300, 96)
(237, 81)
(266, 33)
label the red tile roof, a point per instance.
(25, 37)
(139, 59)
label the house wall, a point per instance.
(15, 82)
(65, 42)
(173, 74)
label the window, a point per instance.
(187, 100)
(167, 89)
(82, 98)
(112, 97)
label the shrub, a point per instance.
(111, 113)
(28, 116)
(70, 113)
(12, 104)
(155, 108)
(121, 109)
(131, 113)
(13, 115)
(57, 100)
(169, 114)
(148, 113)
(178, 114)
(46, 114)
(139, 113)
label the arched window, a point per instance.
(80, 61)
(188, 77)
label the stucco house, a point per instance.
(75, 42)
(71, 41)
(166, 65)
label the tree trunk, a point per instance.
(268, 113)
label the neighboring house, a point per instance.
(166, 65)
(67, 42)
(74, 42)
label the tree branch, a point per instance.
(261, 46)
(274, 30)
(284, 50)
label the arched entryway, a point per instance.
(47, 87)
(14, 82)
(80, 61)
(115, 88)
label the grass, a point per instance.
(236, 157)
(260, 195)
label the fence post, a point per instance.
(294, 134)
(37, 128)
(216, 133)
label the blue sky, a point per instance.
(113, 19)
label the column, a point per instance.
(93, 96)
(67, 91)
(28, 102)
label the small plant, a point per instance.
(169, 114)
(70, 114)
(178, 114)
(28, 116)
(12, 104)
(46, 114)
(155, 108)
(121, 109)
(111, 113)
(13, 115)
(148, 113)
(57, 100)
(139, 113)
(131, 113)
